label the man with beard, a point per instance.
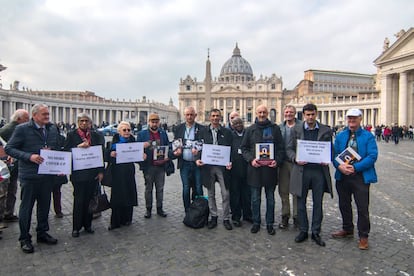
(154, 170)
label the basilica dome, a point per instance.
(236, 66)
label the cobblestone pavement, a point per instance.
(164, 246)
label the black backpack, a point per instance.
(197, 213)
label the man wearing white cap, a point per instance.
(354, 178)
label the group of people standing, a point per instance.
(30, 135)
(241, 181)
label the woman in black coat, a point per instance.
(124, 189)
(85, 182)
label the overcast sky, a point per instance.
(131, 48)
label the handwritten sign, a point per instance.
(55, 162)
(313, 151)
(215, 155)
(87, 158)
(129, 152)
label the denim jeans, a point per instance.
(189, 172)
(270, 204)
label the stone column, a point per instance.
(402, 100)
(386, 93)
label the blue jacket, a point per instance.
(144, 136)
(367, 149)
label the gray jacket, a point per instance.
(296, 176)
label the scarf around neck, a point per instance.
(85, 135)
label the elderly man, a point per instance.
(306, 176)
(286, 128)
(8, 192)
(232, 115)
(260, 174)
(25, 145)
(354, 178)
(215, 134)
(188, 132)
(154, 170)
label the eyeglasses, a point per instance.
(126, 129)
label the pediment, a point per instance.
(402, 48)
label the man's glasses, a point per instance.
(126, 130)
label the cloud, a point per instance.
(129, 49)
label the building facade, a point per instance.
(384, 98)
(65, 105)
(334, 92)
(395, 79)
(237, 88)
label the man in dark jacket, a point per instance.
(25, 145)
(215, 134)
(240, 194)
(306, 176)
(188, 132)
(154, 170)
(8, 192)
(263, 174)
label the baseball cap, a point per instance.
(353, 112)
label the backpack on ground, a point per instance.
(197, 214)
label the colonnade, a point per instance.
(62, 110)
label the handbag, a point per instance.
(99, 202)
(107, 178)
(169, 167)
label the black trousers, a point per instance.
(240, 198)
(353, 185)
(38, 190)
(83, 192)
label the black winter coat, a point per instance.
(72, 141)
(262, 176)
(124, 188)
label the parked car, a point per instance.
(109, 130)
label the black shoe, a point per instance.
(271, 230)
(47, 239)
(27, 246)
(255, 228)
(227, 224)
(11, 218)
(75, 233)
(318, 240)
(89, 230)
(301, 237)
(148, 214)
(59, 215)
(161, 213)
(284, 224)
(237, 223)
(212, 223)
